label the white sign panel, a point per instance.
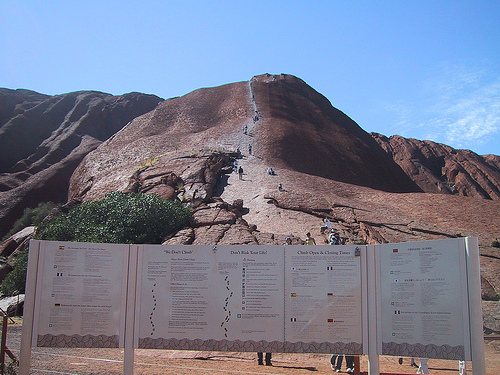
(234, 298)
(423, 304)
(323, 299)
(210, 298)
(81, 294)
(258, 298)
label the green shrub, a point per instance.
(31, 216)
(16, 279)
(118, 218)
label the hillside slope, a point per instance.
(372, 188)
(438, 168)
(43, 138)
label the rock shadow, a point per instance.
(222, 182)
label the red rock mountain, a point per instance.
(43, 139)
(372, 188)
(290, 126)
(437, 168)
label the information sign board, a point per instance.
(80, 295)
(227, 298)
(323, 299)
(423, 299)
(259, 298)
(250, 298)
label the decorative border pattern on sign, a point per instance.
(251, 346)
(424, 351)
(78, 341)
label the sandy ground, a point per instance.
(149, 362)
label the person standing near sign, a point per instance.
(336, 362)
(260, 356)
(349, 362)
(349, 359)
(309, 239)
(462, 368)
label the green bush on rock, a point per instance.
(118, 218)
(31, 216)
(15, 281)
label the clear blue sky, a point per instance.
(420, 69)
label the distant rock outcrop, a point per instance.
(43, 139)
(437, 168)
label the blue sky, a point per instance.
(420, 69)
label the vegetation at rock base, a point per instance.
(31, 216)
(15, 281)
(118, 218)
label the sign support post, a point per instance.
(475, 311)
(128, 353)
(29, 309)
(373, 359)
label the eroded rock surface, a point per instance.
(437, 168)
(372, 188)
(43, 139)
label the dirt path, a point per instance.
(176, 362)
(253, 186)
(255, 183)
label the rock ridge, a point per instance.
(43, 139)
(438, 168)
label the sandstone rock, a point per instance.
(210, 235)
(491, 317)
(370, 235)
(488, 293)
(62, 130)
(11, 248)
(266, 238)
(13, 242)
(206, 217)
(490, 264)
(5, 269)
(182, 237)
(437, 168)
(238, 234)
(164, 191)
(13, 305)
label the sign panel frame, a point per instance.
(258, 298)
(420, 286)
(81, 295)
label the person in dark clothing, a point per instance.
(336, 363)
(260, 356)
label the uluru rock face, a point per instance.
(300, 130)
(437, 168)
(168, 138)
(373, 189)
(289, 125)
(325, 164)
(43, 139)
